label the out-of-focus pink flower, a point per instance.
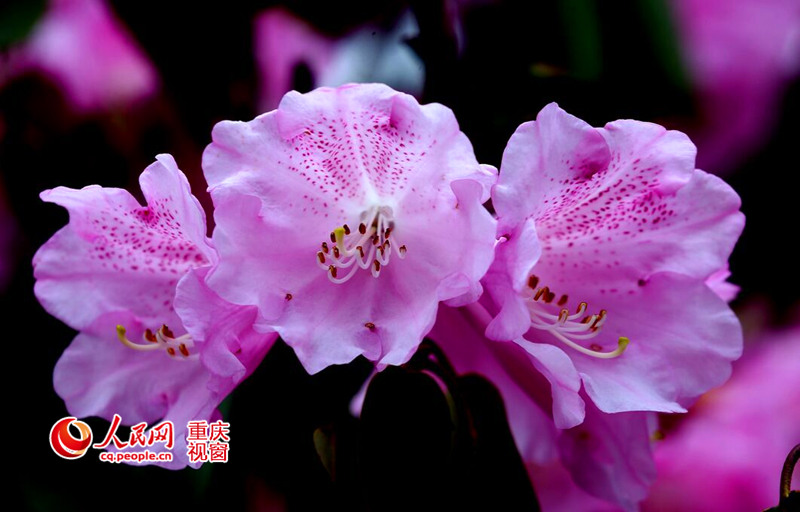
(612, 234)
(609, 455)
(85, 49)
(120, 272)
(346, 216)
(728, 453)
(368, 54)
(741, 56)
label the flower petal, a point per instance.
(683, 341)
(611, 455)
(285, 181)
(116, 255)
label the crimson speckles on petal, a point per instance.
(119, 266)
(361, 203)
(620, 218)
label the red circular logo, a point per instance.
(65, 444)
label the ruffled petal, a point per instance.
(683, 341)
(231, 348)
(115, 255)
(366, 157)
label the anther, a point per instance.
(288, 296)
(570, 328)
(370, 326)
(366, 248)
(161, 339)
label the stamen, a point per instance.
(367, 248)
(162, 339)
(569, 328)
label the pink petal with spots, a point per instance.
(116, 255)
(633, 230)
(285, 181)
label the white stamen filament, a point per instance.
(162, 340)
(569, 328)
(369, 248)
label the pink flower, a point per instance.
(81, 46)
(612, 235)
(346, 216)
(609, 455)
(368, 54)
(121, 272)
(728, 453)
(742, 56)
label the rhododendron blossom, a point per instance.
(154, 342)
(610, 236)
(346, 216)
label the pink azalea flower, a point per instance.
(611, 237)
(368, 54)
(728, 452)
(85, 49)
(346, 216)
(609, 455)
(742, 56)
(120, 272)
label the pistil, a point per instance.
(162, 339)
